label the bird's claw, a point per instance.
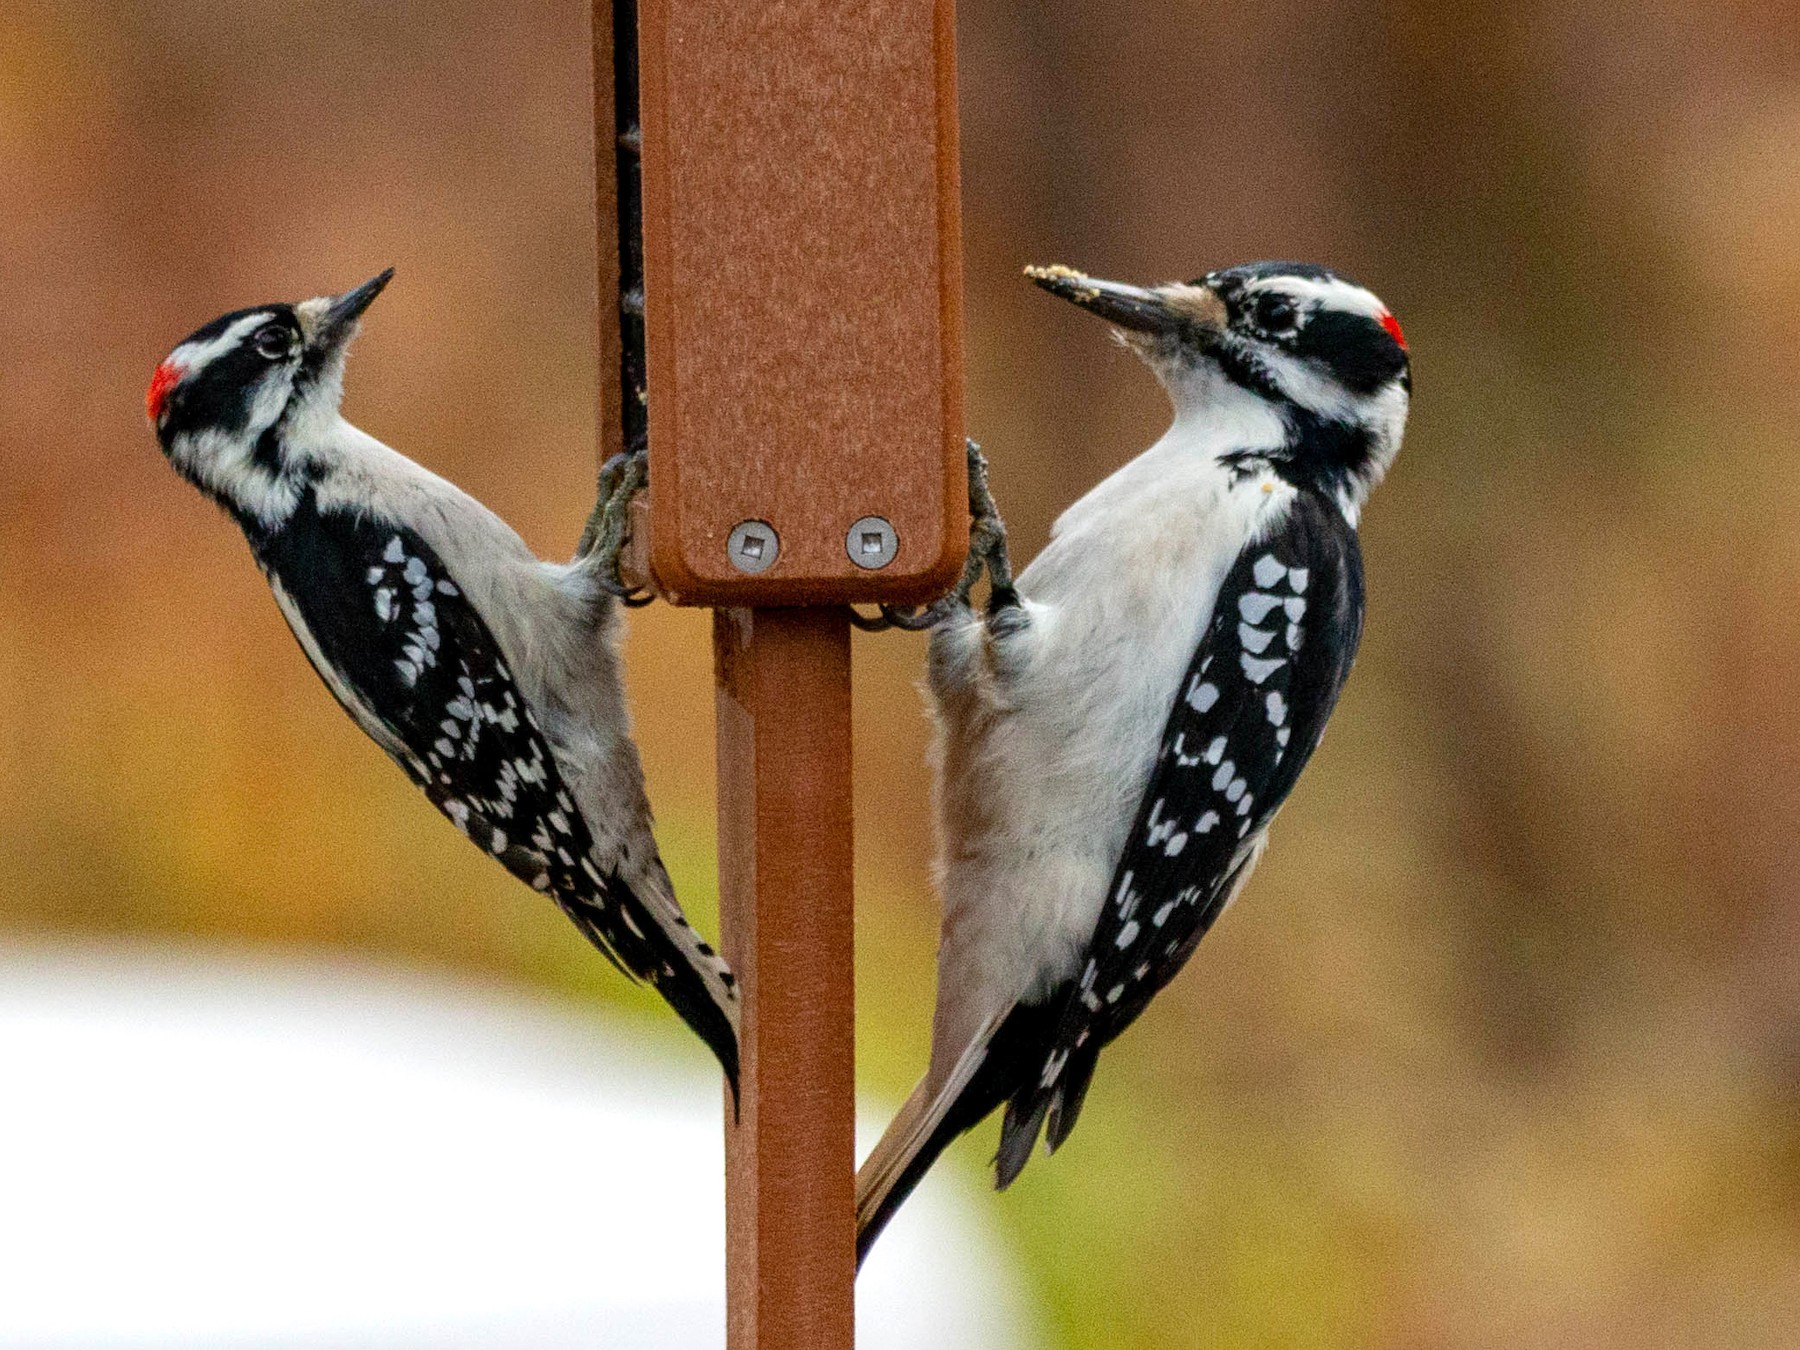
(987, 541)
(987, 551)
(907, 618)
(622, 477)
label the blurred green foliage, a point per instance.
(1502, 1047)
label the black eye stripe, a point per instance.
(1358, 349)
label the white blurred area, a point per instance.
(204, 1148)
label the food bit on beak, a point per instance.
(1064, 281)
(1187, 310)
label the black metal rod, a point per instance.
(628, 167)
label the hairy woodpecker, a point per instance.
(1114, 735)
(490, 677)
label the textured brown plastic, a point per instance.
(803, 277)
(785, 874)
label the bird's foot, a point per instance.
(605, 488)
(987, 552)
(609, 526)
(987, 541)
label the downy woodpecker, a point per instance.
(1114, 737)
(490, 677)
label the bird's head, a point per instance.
(1325, 355)
(235, 405)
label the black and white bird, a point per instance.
(1115, 734)
(490, 677)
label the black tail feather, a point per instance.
(1015, 1057)
(1019, 1134)
(688, 996)
(684, 991)
(958, 1121)
(1071, 1093)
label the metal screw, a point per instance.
(753, 546)
(872, 543)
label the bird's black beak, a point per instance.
(339, 320)
(1137, 309)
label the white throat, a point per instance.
(1214, 414)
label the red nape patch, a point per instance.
(1389, 322)
(167, 376)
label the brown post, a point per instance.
(785, 883)
(800, 329)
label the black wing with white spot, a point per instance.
(1251, 708)
(410, 658)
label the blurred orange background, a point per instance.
(1503, 1047)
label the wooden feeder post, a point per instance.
(801, 256)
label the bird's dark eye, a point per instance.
(274, 342)
(1274, 314)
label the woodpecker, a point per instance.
(1116, 731)
(491, 678)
